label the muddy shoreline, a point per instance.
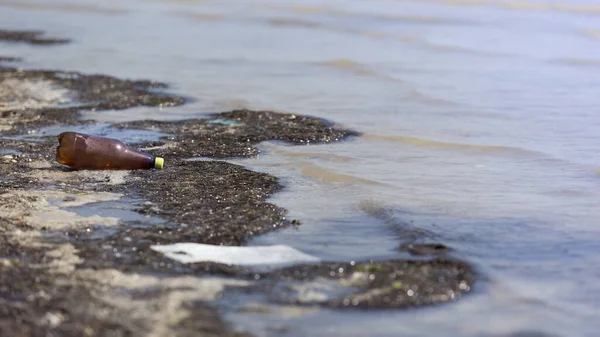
(71, 273)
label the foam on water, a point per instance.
(31, 94)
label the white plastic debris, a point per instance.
(256, 256)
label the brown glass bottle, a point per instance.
(82, 151)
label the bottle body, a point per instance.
(82, 151)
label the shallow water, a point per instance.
(479, 122)
(100, 129)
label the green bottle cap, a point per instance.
(159, 162)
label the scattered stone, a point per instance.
(204, 138)
(388, 284)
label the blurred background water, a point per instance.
(480, 122)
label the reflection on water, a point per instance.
(61, 7)
(353, 67)
(101, 129)
(447, 145)
(341, 12)
(207, 16)
(579, 62)
(479, 122)
(558, 6)
(316, 172)
(592, 33)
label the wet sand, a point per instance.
(72, 273)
